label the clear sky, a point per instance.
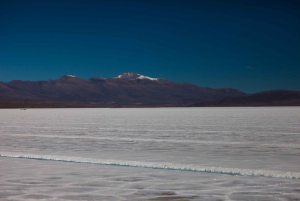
(248, 45)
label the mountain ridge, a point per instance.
(263, 98)
(126, 90)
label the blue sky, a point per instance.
(248, 45)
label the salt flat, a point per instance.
(150, 154)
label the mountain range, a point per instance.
(130, 90)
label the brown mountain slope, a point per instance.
(128, 90)
(267, 98)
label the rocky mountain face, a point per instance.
(126, 90)
(266, 98)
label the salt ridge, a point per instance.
(165, 166)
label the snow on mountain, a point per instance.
(128, 89)
(132, 76)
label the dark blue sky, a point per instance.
(248, 45)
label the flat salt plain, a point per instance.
(157, 154)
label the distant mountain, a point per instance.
(132, 76)
(126, 90)
(266, 98)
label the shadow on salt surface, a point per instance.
(37, 197)
(173, 198)
(131, 179)
(88, 197)
(254, 196)
(160, 196)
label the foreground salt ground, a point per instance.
(22, 179)
(150, 154)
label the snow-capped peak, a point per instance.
(132, 76)
(70, 76)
